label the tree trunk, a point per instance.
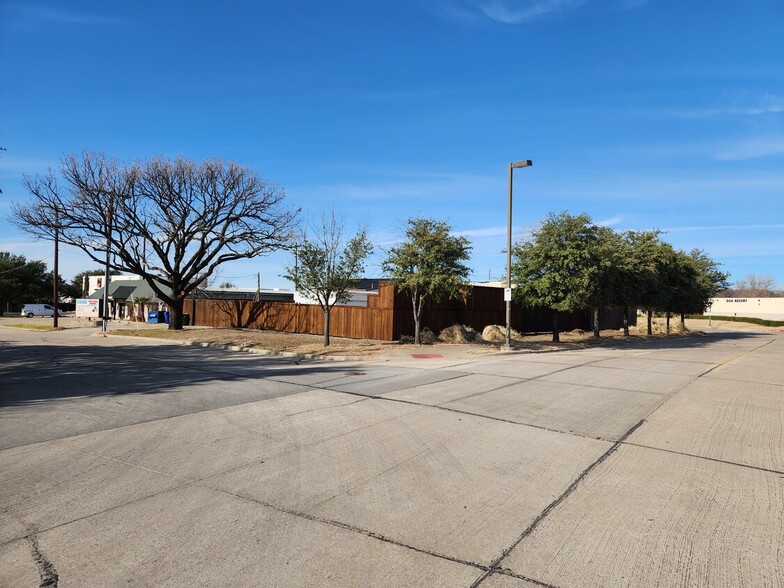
(175, 314)
(556, 336)
(650, 322)
(683, 323)
(326, 327)
(417, 316)
(626, 321)
(668, 322)
(595, 320)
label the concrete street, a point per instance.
(651, 463)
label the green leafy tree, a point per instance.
(328, 265)
(557, 267)
(23, 281)
(171, 221)
(640, 263)
(678, 284)
(705, 280)
(429, 265)
(605, 248)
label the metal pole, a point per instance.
(509, 262)
(105, 322)
(55, 293)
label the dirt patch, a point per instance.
(491, 340)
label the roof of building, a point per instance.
(122, 290)
(243, 294)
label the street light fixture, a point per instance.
(508, 290)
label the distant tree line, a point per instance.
(753, 286)
(572, 264)
(24, 282)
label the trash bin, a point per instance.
(152, 316)
(186, 320)
(165, 314)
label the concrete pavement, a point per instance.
(654, 463)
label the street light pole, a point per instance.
(508, 290)
(109, 218)
(105, 322)
(55, 293)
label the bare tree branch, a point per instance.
(171, 221)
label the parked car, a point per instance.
(31, 310)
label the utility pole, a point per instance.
(55, 293)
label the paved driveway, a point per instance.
(650, 464)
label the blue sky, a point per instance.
(656, 114)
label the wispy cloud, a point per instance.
(767, 104)
(44, 13)
(431, 186)
(485, 232)
(752, 148)
(723, 227)
(508, 12)
(515, 12)
(610, 222)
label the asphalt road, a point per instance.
(656, 463)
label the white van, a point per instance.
(31, 310)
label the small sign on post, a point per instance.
(507, 294)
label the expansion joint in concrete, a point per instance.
(49, 578)
(495, 566)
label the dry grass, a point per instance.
(489, 341)
(33, 327)
(269, 340)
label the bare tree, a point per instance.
(171, 221)
(327, 265)
(755, 286)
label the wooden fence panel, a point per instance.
(388, 315)
(345, 321)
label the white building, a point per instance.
(96, 282)
(763, 308)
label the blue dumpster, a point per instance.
(165, 314)
(152, 316)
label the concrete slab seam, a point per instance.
(703, 457)
(293, 450)
(541, 379)
(672, 394)
(95, 514)
(714, 376)
(495, 565)
(467, 413)
(307, 388)
(49, 578)
(738, 356)
(351, 528)
(511, 574)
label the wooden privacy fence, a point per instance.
(388, 316)
(485, 306)
(371, 322)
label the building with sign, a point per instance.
(763, 308)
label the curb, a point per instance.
(253, 350)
